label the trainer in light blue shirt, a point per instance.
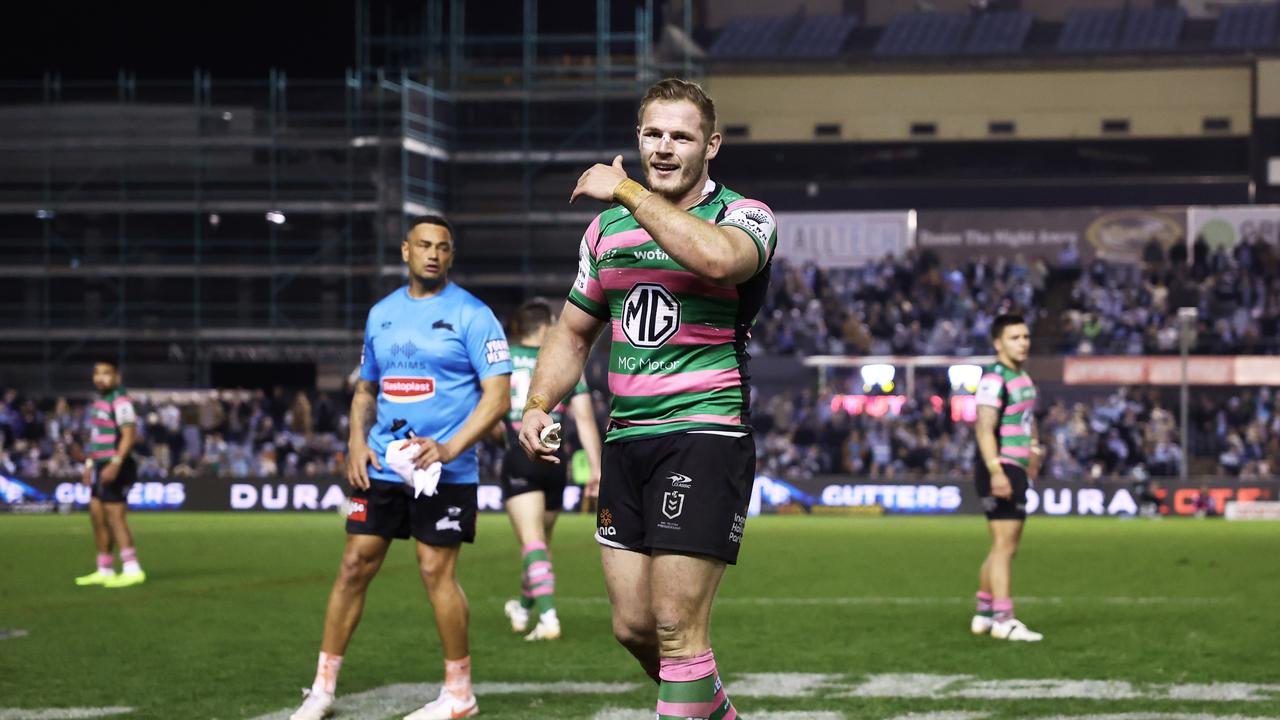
(428, 356)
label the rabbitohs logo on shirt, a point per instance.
(650, 315)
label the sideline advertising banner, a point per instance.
(844, 239)
(840, 495)
(1060, 237)
(217, 494)
(826, 494)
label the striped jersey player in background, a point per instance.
(1009, 457)
(677, 271)
(110, 470)
(532, 491)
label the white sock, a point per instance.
(549, 615)
(132, 566)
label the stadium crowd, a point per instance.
(908, 305)
(268, 435)
(1125, 434)
(916, 305)
(1132, 309)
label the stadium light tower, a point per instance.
(1186, 318)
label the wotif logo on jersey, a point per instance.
(408, 389)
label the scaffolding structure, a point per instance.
(173, 224)
(176, 225)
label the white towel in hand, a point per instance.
(400, 454)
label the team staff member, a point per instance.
(436, 358)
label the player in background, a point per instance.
(534, 491)
(678, 271)
(1009, 456)
(436, 358)
(110, 469)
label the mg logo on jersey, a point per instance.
(672, 504)
(650, 315)
(408, 389)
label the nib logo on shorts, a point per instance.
(357, 510)
(605, 526)
(684, 482)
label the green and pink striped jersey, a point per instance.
(107, 415)
(1014, 395)
(523, 360)
(678, 360)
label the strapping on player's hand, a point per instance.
(531, 428)
(359, 458)
(599, 181)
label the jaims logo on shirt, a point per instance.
(408, 389)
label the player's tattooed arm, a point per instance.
(363, 412)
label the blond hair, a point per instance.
(677, 90)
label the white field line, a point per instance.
(61, 713)
(634, 714)
(921, 600)
(382, 702)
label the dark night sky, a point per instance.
(230, 38)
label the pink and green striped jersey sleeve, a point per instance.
(586, 292)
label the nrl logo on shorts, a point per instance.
(650, 315)
(672, 504)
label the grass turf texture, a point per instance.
(228, 624)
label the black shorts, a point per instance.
(521, 475)
(686, 492)
(118, 489)
(1014, 508)
(389, 510)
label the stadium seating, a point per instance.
(923, 34)
(820, 36)
(997, 33)
(1152, 29)
(1088, 31)
(752, 37)
(1245, 27)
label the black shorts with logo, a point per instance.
(117, 490)
(686, 492)
(521, 475)
(389, 510)
(1014, 508)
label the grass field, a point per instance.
(824, 618)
